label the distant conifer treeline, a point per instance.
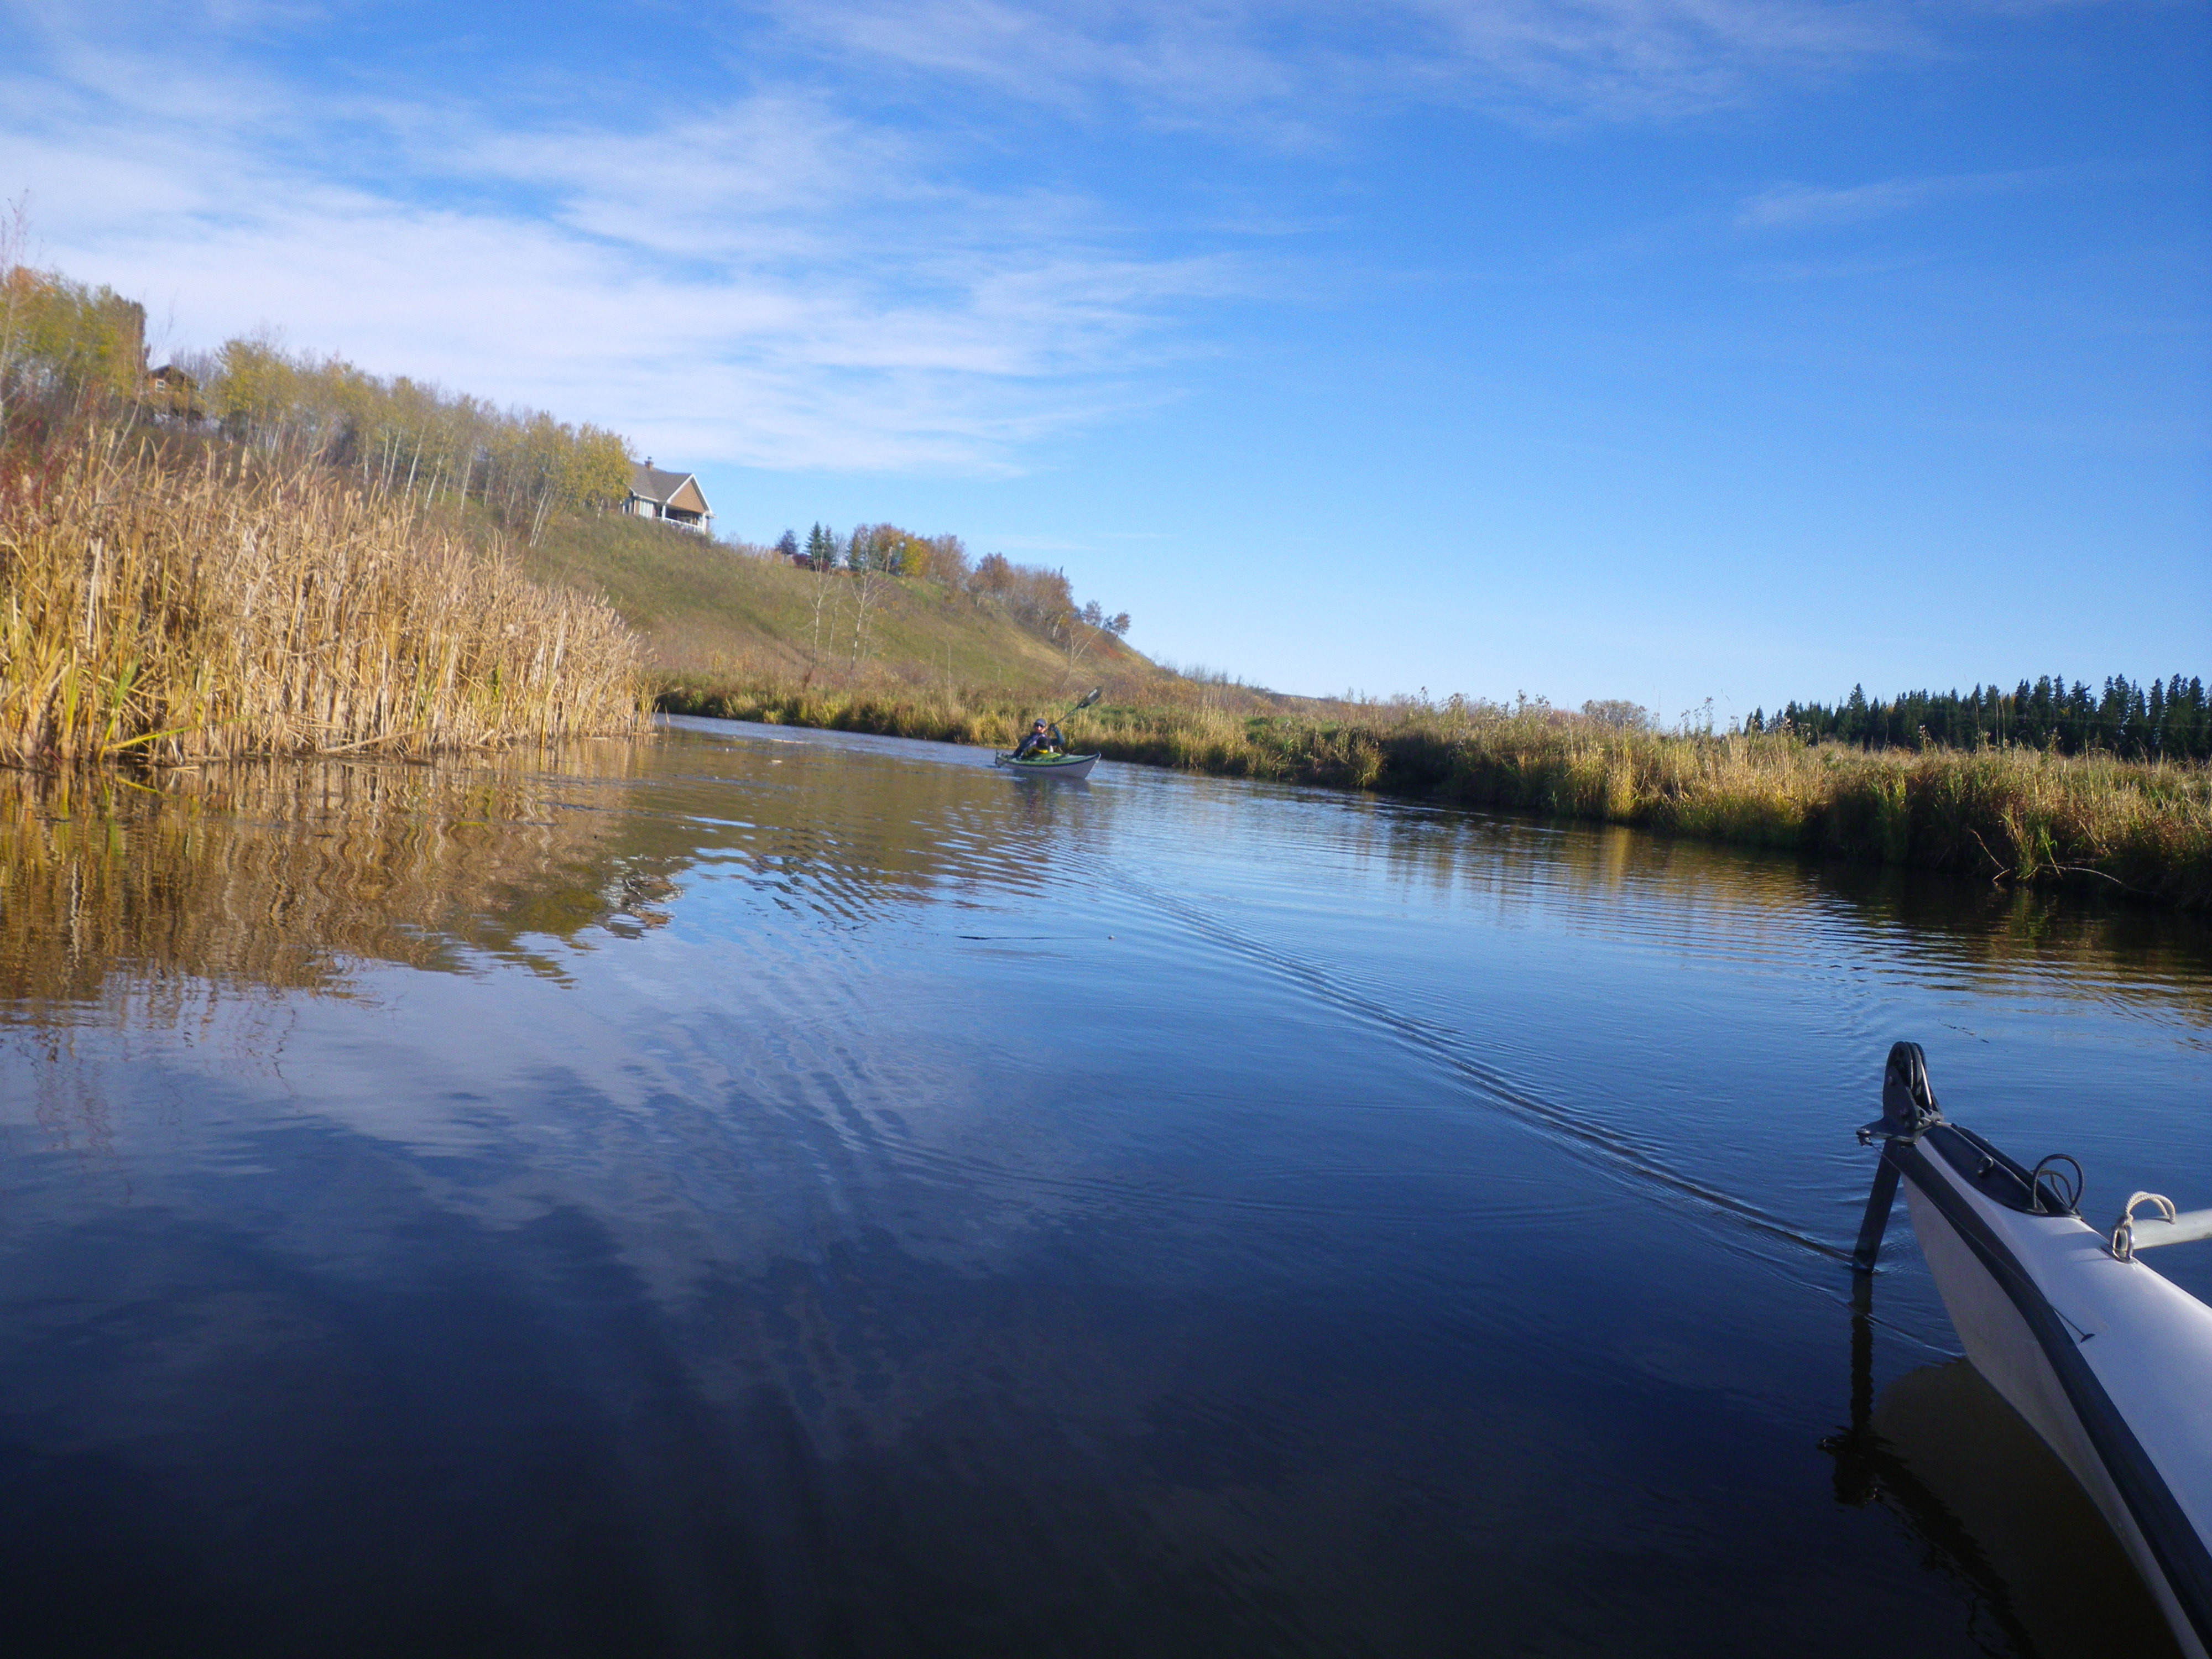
(2164, 719)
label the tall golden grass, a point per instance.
(225, 607)
(2013, 815)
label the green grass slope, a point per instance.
(713, 614)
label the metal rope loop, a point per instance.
(2123, 1230)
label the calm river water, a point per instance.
(778, 1193)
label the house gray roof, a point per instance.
(650, 484)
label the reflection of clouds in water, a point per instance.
(786, 887)
(184, 915)
(521, 1115)
(73, 1071)
(959, 1188)
(796, 1029)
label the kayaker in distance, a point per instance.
(1042, 739)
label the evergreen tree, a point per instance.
(2162, 719)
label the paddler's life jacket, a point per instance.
(1050, 744)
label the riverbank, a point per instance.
(218, 605)
(2014, 815)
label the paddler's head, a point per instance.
(1039, 727)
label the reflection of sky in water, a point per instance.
(846, 1195)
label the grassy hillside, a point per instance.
(715, 616)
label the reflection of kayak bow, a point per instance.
(1981, 1494)
(1051, 766)
(2108, 1361)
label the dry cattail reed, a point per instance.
(224, 611)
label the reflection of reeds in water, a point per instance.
(1606, 881)
(167, 615)
(2079, 943)
(283, 874)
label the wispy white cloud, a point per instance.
(782, 271)
(1647, 59)
(1792, 207)
(763, 282)
(1217, 62)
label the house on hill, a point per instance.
(672, 497)
(175, 396)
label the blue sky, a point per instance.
(1656, 348)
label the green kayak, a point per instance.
(1051, 766)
